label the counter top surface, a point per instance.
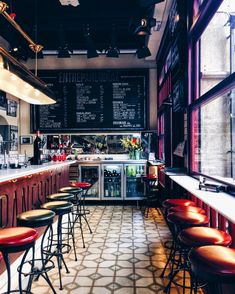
(92, 161)
(222, 202)
(11, 174)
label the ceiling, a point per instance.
(51, 24)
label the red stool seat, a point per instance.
(176, 202)
(186, 209)
(187, 219)
(17, 236)
(82, 185)
(213, 263)
(201, 236)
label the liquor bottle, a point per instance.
(37, 149)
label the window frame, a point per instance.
(202, 17)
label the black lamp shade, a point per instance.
(112, 52)
(143, 52)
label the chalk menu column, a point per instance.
(89, 104)
(128, 103)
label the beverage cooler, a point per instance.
(91, 174)
(112, 181)
(133, 184)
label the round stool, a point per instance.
(70, 228)
(187, 219)
(85, 186)
(61, 197)
(35, 219)
(214, 265)
(202, 236)
(14, 240)
(186, 209)
(151, 195)
(79, 211)
(72, 190)
(177, 202)
(82, 185)
(60, 208)
(180, 220)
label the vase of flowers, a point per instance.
(133, 145)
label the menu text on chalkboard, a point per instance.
(93, 100)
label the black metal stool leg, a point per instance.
(8, 268)
(80, 224)
(29, 286)
(87, 223)
(168, 261)
(20, 272)
(71, 229)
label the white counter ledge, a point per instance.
(114, 161)
(223, 203)
(11, 174)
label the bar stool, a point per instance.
(85, 186)
(151, 183)
(35, 219)
(70, 224)
(177, 202)
(174, 202)
(214, 265)
(186, 209)
(169, 203)
(180, 220)
(79, 212)
(60, 208)
(13, 240)
(200, 236)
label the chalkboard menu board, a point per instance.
(93, 100)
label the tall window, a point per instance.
(217, 46)
(213, 115)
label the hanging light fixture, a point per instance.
(15, 78)
(91, 50)
(113, 51)
(143, 52)
(18, 81)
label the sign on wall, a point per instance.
(94, 100)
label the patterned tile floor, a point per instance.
(125, 254)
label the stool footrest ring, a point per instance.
(65, 248)
(37, 270)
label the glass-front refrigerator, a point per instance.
(91, 174)
(112, 183)
(133, 183)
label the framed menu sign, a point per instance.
(93, 100)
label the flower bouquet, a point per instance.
(133, 145)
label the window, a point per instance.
(211, 135)
(212, 115)
(216, 45)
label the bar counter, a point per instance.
(11, 174)
(26, 188)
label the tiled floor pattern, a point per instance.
(125, 254)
